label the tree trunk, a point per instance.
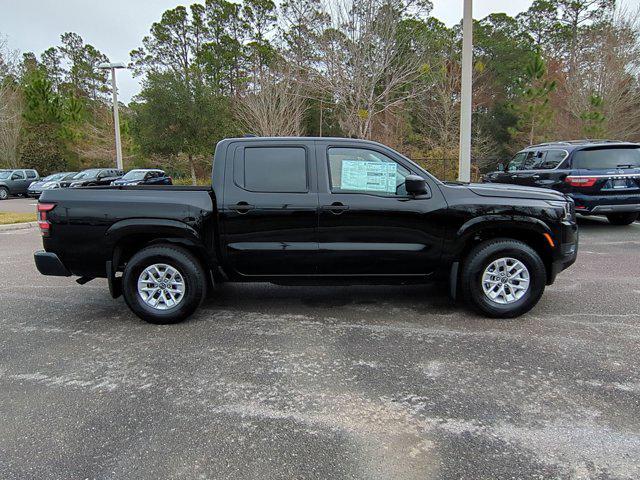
(192, 167)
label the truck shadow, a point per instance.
(270, 298)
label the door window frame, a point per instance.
(398, 161)
(238, 166)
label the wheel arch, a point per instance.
(125, 238)
(528, 230)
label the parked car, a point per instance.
(309, 211)
(93, 177)
(601, 176)
(144, 177)
(49, 182)
(16, 182)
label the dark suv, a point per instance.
(602, 176)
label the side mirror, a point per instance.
(415, 185)
(501, 167)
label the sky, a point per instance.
(115, 27)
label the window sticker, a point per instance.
(371, 176)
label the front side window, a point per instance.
(273, 170)
(17, 176)
(518, 161)
(358, 170)
(607, 158)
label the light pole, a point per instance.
(116, 116)
(464, 166)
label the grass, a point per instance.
(7, 218)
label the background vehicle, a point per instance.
(602, 176)
(16, 182)
(49, 182)
(305, 210)
(93, 177)
(144, 177)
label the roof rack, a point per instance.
(575, 142)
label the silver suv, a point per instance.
(16, 182)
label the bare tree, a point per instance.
(11, 107)
(365, 62)
(609, 56)
(274, 108)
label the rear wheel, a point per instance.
(163, 284)
(622, 218)
(503, 278)
(4, 193)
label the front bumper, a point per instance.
(48, 263)
(566, 252)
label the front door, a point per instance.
(368, 224)
(270, 209)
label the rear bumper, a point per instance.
(604, 204)
(48, 263)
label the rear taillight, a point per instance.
(581, 181)
(43, 222)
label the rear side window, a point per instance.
(273, 170)
(607, 158)
(31, 174)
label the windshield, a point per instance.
(4, 175)
(607, 158)
(135, 175)
(54, 177)
(86, 174)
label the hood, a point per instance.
(506, 190)
(37, 184)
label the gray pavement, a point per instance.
(307, 382)
(19, 205)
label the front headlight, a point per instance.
(49, 185)
(568, 209)
(76, 184)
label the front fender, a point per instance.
(497, 222)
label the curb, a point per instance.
(17, 226)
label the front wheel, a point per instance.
(622, 218)
(503, 278)
(4, 193)
(163, 284)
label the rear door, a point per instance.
(269, 211)
(368, 225)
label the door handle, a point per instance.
(336, 208)
(242, 207)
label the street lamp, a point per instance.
(116, 116)
(464, 166)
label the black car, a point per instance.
(143, 176)
(602, 176)
(93, 177)
(309, 211)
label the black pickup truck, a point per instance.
(298, 211)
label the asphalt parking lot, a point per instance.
(305, 382)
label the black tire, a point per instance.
(187, 265)
(481, 256)
(4, 193)
(626, 218)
